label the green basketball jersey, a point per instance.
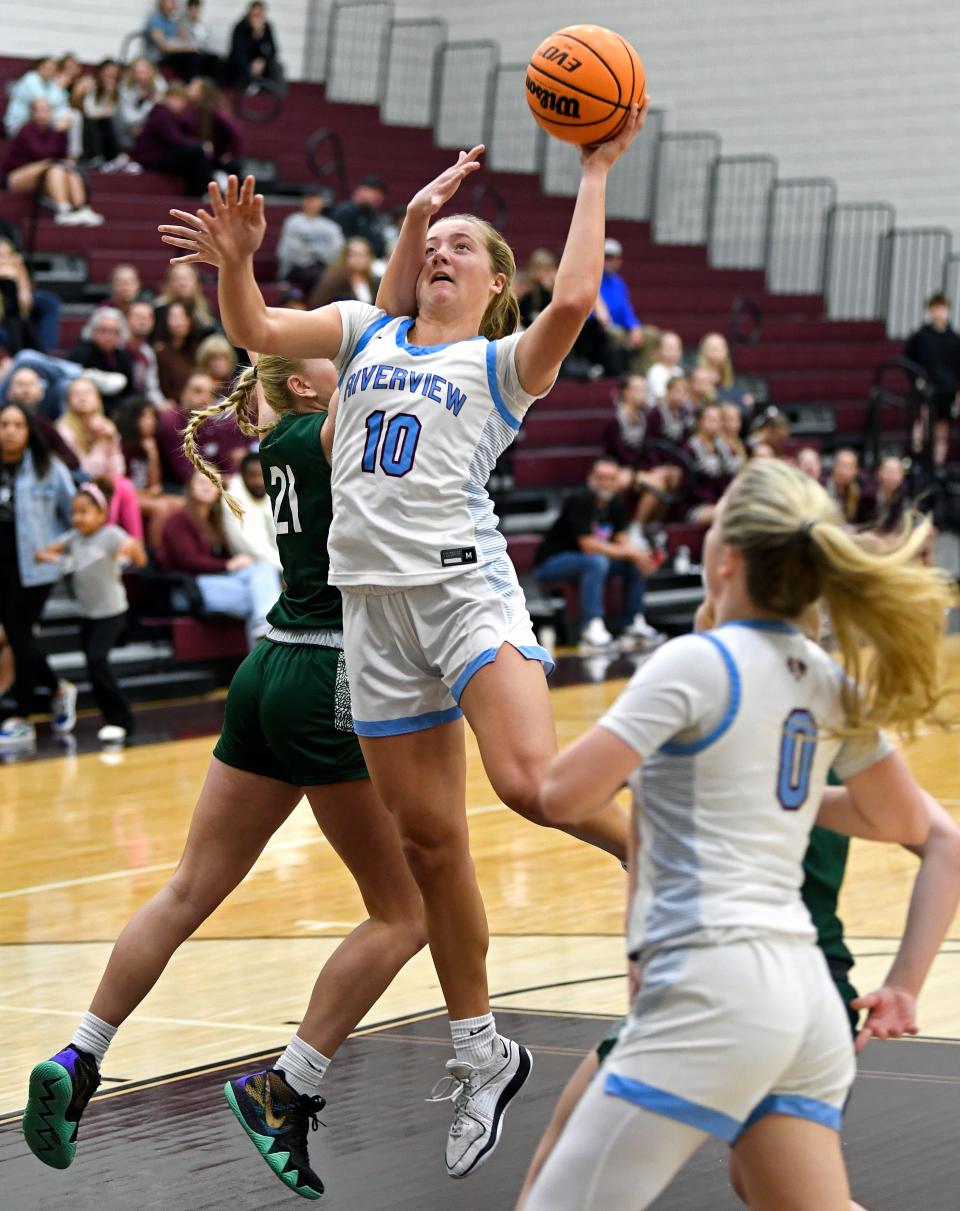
(297, 477)
(824, 866)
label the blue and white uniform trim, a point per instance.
(530, 652)
(406, 723)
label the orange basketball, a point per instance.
(581, 82)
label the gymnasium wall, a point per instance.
(859, 90)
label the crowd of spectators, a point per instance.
(62, 119)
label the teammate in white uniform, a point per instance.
(725, 739)
(434, 621)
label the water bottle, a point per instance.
(681, 561)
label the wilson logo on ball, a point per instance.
(566, 107)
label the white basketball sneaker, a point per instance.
(480, 1099)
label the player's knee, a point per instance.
(431, 857)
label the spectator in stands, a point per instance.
(845, 488)
(125, 288)
(936, 347)
(41, 306)
(182, 285)
(309, 242)
(56, 374)
(199, 37)
(667, 365)
(169, 143)
(38, 159)
(770, 428)
(256, 535)
(217, 358)
(50, 80)
(94, 439)
(92, 551)
(732, 429)
(140, 324)
(142, 86)
(713, 353)
(98, 98)
(644, 473)
(890, 501)
(176, 354)
(254, 53)
(588, 543)
(102, 346)
(35, 495)
(671, 418)
(26, 388)
(220, 442)
(148, 467)
(615, 310)
(701, 387)
(169, 45)
(592, 354)
(194, 542)
(217, 128)
(350, 276)
(714, 465)
(810, 463)
(363, 214)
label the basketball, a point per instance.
(581, 82)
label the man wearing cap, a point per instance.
(615, 310)
(936, 347)
(362, 215)
(308, 242)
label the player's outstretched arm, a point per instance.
(550, 337)
(397, 294)
(227, 236)
(584, 777)
(933, 904)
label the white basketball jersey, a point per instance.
(419, 429)
(730, 727)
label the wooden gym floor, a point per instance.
(86, 837)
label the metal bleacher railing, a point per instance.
(794, 229)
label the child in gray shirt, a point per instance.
(92, 553)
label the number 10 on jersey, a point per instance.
(397, 447)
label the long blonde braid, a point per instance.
(271, 373)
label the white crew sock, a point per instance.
(303, 1066)
(94, 1035)
(473, 1039)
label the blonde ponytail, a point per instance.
(797, 550)
(271, 374)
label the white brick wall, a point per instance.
(859, 90)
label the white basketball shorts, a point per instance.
(411, 652)
(718, 1037)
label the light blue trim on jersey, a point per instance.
(498, 403)
(366, 336)
(670, 1105)
(776, 625)
(421, 350)
(406, 723)
(489, 655)
(797, 1107)
(674, 748)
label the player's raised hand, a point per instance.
(234, 230)
(892, 1013)
(441, 189)
(606, 154)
